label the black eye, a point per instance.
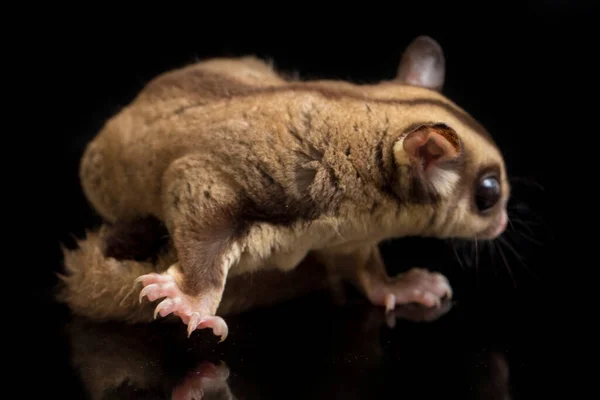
(487, 193)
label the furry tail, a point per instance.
(101, 287)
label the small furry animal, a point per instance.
(249, 171)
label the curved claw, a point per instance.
(430, 299)
(151, 278)
(157, 286)
(390, 302)
(157, 290)
(193, 323)
(217, 324)
(449, 293)
(444, 281)
(166, 307)
(146, 290)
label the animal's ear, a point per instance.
(431, 145)
(423, 64)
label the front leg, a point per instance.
(363, 266)
(201, 212)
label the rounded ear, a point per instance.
(423, 64)
(431, 145)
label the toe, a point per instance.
(218, 326)
(147, 291)
(193, 323)
(419, 286)
(152, 278)
(165, 307)
(425, 297)
(158, 290)
(390, 302)
(441, 285)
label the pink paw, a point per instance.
(193, 311)
(415, 286)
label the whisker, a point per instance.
(524, 221)
(505, 242)
(529, 182)
(507, 266)
(493, 245)
(532, 240)
(462, 248)
(476, 254)
(522, 210)
(471, 257)
(520, 222)
(511, 224)
(462, 266)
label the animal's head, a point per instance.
(444, 159)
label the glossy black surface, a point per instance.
(310, 348)
(498, 341)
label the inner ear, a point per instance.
(423, 64)
(431, 145)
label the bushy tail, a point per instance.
(102, 288)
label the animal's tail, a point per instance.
(101, 287)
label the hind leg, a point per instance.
(201, 210)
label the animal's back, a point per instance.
(186, 109)
(120, 171)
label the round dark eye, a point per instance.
(487, 193)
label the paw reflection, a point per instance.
(418, 312)
(207, 381)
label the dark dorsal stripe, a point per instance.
(225, 87)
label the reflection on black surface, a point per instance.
(493, 378)
(207, 381)
(300, 350)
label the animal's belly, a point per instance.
(283, 260)
(271, 247)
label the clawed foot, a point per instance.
(206, 380)
(415, 286)
(193, 311)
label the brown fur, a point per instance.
(138, 239)
(250, 171)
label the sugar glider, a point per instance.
(249, 170)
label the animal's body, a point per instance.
(249, 171)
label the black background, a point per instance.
(522, 71)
